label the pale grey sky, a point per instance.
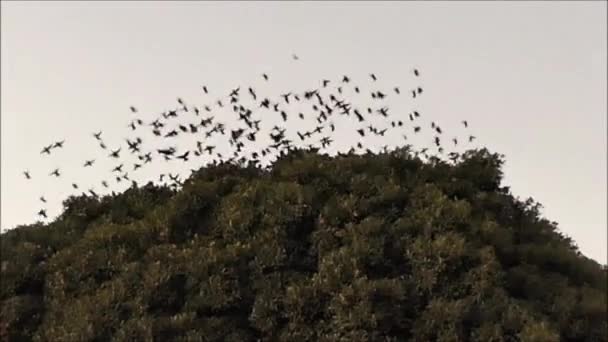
(530, 77)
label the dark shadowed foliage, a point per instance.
(349, 248)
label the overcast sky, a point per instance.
(530, 78)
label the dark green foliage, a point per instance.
(351, 248)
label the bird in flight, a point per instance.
(295, 57)
(416, 73)
(58, 144)
(133, 109)
(55, 173)
(27, 174)
(184, 156)
(42, 199)
(465, 123)
(115, 154)
(89, 162)
(373, 77)
(47, 149)
(42, 213)
(97, 135)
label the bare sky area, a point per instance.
(530, 78)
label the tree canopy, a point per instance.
(374, 247)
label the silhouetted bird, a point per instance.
(47, 149)
(27, 174)
(252, 93)
(184, 156)
(55, 173)
(42, 199)
(416, 73)
(265, 77)
(373, 77)
(42, 213)
(115, 154)
(58, 144)
(465, 123)
(89, 162)
(133, 109)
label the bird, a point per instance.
(27, 174)
(265, 77)
(58, 144)
(118, 168)
(205, 90)
(42, 213)
(89, 162)
(133, 109)
(55, 173)
(97, 135)
(115, 154)
(74, 185)
(42, 199)
(416, 73)
(252, 93)
(184, 156)
(295, 57)
(373, 77)
(47, 149)
(465, 123)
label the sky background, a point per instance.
(530, 78)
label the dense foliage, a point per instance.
(317, 248)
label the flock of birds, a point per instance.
(326, 105)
